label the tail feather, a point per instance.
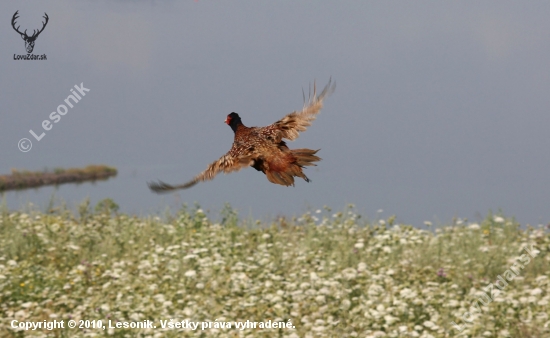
(279, 177)
(305, 157)
(282, 170)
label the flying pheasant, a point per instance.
(263, 148)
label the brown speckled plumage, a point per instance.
(263, 148)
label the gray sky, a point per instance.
(441, 108)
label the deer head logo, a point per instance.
(29, 40)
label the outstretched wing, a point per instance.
(227, 163)
(289, 126)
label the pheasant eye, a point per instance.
(228, 119)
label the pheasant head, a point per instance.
(234, 121)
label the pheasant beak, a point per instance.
(227, 120)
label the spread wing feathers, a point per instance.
(289, 126)
(227, 163)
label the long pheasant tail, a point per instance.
(161, 187)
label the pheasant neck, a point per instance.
(236, 125)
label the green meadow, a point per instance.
(323, 274)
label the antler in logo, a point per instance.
(29, 40)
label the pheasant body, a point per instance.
(263, 148)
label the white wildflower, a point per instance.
(349, 273)
(541, 279)
(536, 292)
(407, 293)
(345, 305)
(190, 273)
(453, 303)
(145, 264)
(390, 319)
(325, 291)
(159, 298)
(505, 333)
(73, 247)
(21, 314)
(429, 324)
(375, 290)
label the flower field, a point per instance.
(323, 274)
